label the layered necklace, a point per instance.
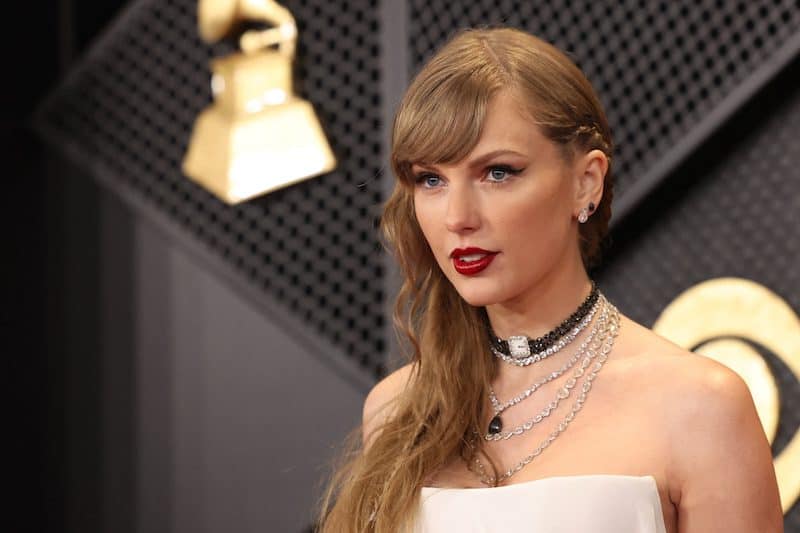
(594, 350)
(522, 351)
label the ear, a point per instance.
(590, 171)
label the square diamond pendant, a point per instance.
(518, 346)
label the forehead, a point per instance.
(461, 131)
(509, 125)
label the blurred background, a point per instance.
(180, 364)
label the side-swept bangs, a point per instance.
(442, 117)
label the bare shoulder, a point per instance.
(720, 461)
(378, 403)
(691, 389)
(675, 369)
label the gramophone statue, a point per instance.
(257, 136)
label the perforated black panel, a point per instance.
(127, 114)
(659, 67)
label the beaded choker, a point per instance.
(520, 346)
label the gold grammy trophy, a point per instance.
(257, 136)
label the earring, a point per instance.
(583, 216)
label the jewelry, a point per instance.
(589, 346)
(562, 342)
(496, 424)
(492, 481)
(583, 216)
(520, 346)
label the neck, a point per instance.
(541, 309)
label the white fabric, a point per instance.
(596, 503)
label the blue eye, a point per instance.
(502, 173)
(429, 181)
(497, 173)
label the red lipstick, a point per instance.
(470, 268)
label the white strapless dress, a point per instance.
(595, 503)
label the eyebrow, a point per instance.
(480, 160)
(485, 158)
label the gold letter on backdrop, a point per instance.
(258, 135)
(716, 318)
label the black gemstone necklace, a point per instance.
(520, 346)
(540, 344)
(496, 424)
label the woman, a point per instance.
(531, 403)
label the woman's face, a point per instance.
(513, 198)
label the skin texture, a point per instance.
(654, 409)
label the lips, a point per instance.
(470, 261)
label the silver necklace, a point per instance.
(589, 347)
(562, 342)
(493, 481)
(499, 408)
(496, 424)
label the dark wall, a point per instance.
(50, 258)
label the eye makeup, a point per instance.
(420, 177)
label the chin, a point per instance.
(477, 296)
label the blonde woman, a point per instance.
(530, 402)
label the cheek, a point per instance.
(427, 224)
(534, 227)
(419, 215)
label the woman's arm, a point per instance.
(721, 455)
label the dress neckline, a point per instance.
(532, 482)
(546, 484)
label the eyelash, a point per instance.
(419, 179)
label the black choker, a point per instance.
(540, 344)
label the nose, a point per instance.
(462, 209)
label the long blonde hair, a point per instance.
(439, 121)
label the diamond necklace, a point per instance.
(519, 346)
(562, 342)
(496, 424)
(492, 481)
(589, 348)
(499, 408)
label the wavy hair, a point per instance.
(439, 121)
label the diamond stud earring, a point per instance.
(583, 216)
